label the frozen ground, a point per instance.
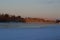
(29, 31)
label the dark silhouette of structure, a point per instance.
(57, 21)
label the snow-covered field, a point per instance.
(23, 31)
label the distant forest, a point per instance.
(9, 18)
(13, 18)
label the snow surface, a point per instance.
(28, 32)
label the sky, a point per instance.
(31, 8)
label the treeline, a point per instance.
(9, 18)
(13, 18)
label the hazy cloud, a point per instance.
(47, 1)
